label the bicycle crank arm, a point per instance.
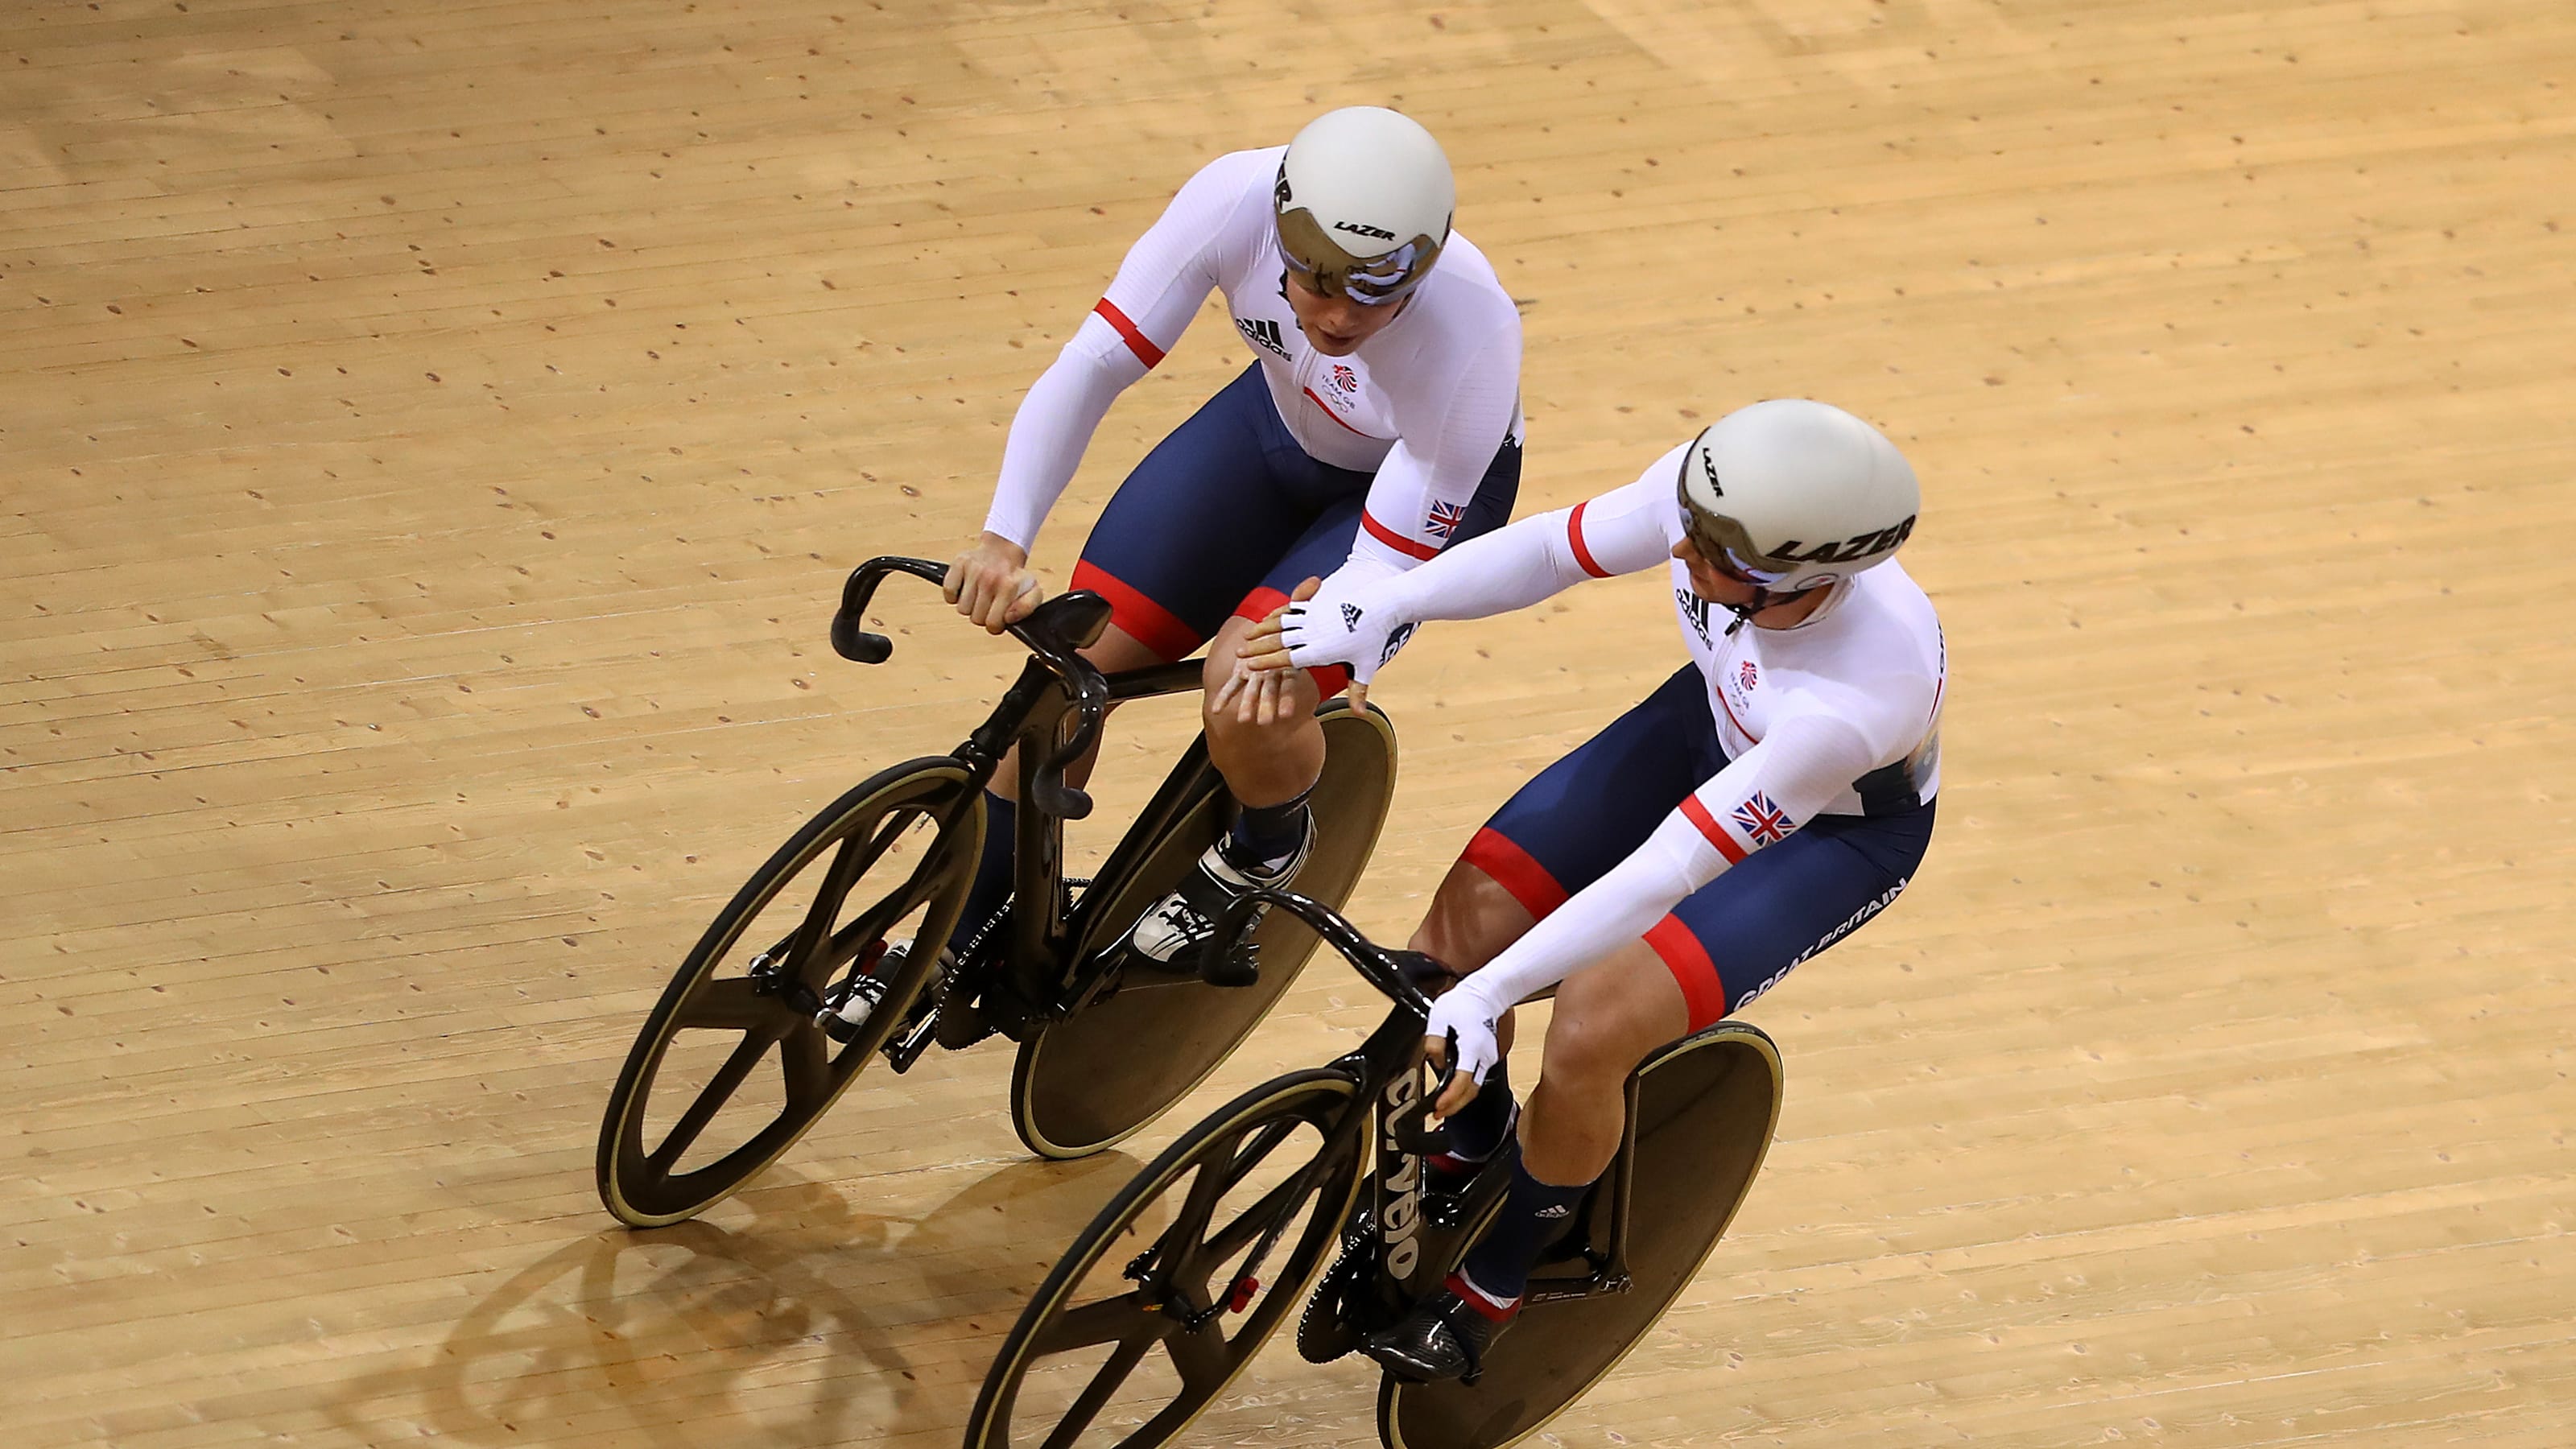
(1598, 1285)
(905, 1047)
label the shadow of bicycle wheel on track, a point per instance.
(799, 1318)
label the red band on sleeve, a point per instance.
(1703, 990)
(1698, 815)
(1395, 540)
(1137, 341)
(1512, 868)
(1574, 536)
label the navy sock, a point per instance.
(992, 870)
(1477, 1129)
(1264, 834)
(1534, 1212)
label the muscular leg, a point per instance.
(1268, 767)
(1472, 918)
(1263, 764)
(1608, 1017)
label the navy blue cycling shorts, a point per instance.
(1734, 938)
(1228, 514)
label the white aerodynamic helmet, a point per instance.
(1794, 495)
(1363, 201)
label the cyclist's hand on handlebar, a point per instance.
(990, 583)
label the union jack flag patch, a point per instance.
(1444, 519)
(1762, 822)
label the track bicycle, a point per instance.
(1163, 1300)
(830, 956)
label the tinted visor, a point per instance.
(1322, 267)
(1723, 543)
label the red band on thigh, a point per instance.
(1260, 604)
(1146, 622)
(1703, 991)
(1512, 868)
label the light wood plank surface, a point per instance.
(433, 436)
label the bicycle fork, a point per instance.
(1171, 1254)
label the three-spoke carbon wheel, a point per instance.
(730, 1068)
(1179, 1280)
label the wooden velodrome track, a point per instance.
(433, 436)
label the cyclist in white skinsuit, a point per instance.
(1420, 407)
(1379, 423)
(1772, 796)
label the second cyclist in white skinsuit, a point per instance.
(1378, 424)
(1771, 797)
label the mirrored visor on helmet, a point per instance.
(1322, 267)
(1727, 548)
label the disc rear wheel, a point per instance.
(1702, 1112)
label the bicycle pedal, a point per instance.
(1238, 966)
(906, 1044)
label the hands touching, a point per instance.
(990, 583)
(1307, 633)
(1258, 688)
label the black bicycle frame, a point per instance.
(1037, 979)
(1399, 1196)
(1386, 1066)
(1396, 1108)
